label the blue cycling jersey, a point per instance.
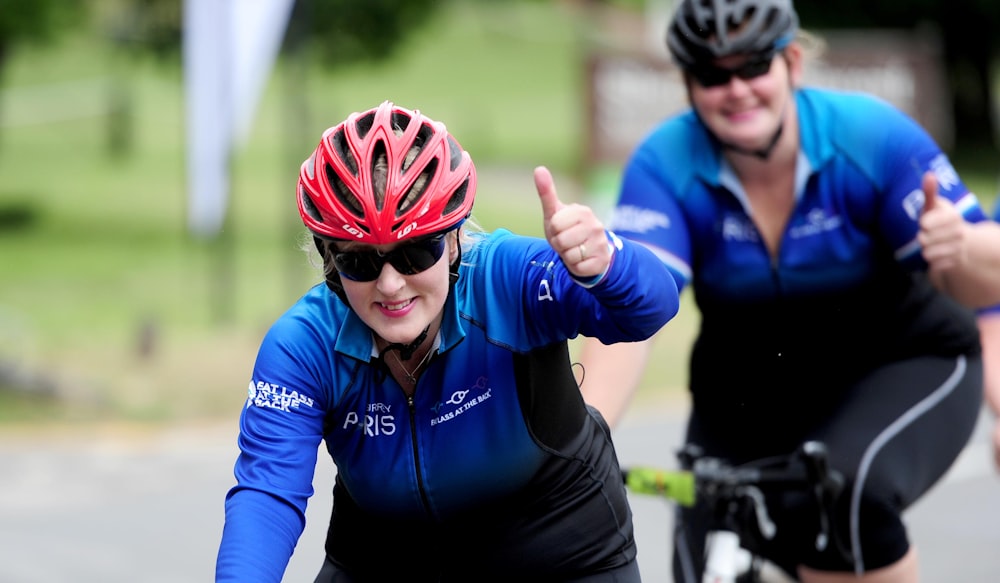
(846, 288)
(494, 465)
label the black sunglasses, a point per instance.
(712, 76)
(407, 259)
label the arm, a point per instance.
(634, 292)
(989, 328)
(611, 375)
(280, 431)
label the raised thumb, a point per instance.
(929, 185)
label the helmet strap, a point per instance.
(405, 350)
(765, 152)
(453, 268)
(762, 153)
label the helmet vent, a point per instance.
(380, 171)
(344, 194)
(457, 198)
(400, 121)
(310, 167)
(309, 207)
(737, 20)
(419, 141)
(339, 141)
(364, 124)
(419, 187)
(455, 153)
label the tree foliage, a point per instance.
(967, 29)
(347, 31)
(36, 20)
(26, 21)
(33, 21)
(341, 31)
(153, 26)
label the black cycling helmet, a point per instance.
(702, 31)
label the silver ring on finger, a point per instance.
(583, 251)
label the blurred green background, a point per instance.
(110, 310)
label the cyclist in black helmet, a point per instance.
(835, 255)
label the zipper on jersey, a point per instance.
(416, 454)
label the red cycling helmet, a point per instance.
(430, 181)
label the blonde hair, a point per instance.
(813, 45)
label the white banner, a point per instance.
(229, 48)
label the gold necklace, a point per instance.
(411, 377)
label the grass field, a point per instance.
(106, 301)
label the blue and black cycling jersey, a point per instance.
(846, 289)
(494, 468)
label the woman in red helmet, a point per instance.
(434, 364)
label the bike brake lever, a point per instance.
(687, 455)
(827, 485)
(764, 523)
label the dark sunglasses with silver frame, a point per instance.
(714, 76)
(408, 259)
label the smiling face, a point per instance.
(398, 307)
(746, 113)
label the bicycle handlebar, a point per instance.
(715, 480)
(676, 485)
(714, 477)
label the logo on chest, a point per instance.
(739, 229)
(817, 222)
(461, 401)
(378, 419)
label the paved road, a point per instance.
(135, 506)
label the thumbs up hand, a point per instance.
(573, 230)
(943, 231)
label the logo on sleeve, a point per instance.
(544, 288)
(945, 173)
(913, 204)
(638, 220)
(275, 397)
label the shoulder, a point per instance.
(497, 268)
(675, 153)
(662, 141)
(489, 251)
(850, 118)
(869, 133)
(313, 319)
